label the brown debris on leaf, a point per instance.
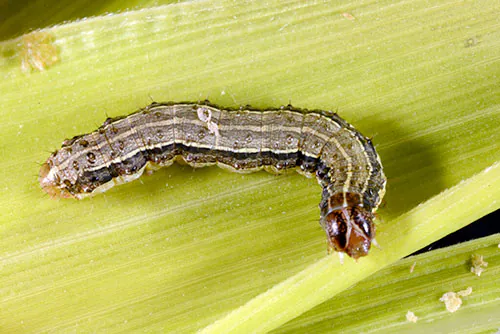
(452, 300)
(411, 317)
(37, 51)
(478, 264)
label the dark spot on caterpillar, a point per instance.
(91, 158)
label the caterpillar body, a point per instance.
(313, 142)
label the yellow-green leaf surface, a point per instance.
(380, 302)
(186, 250)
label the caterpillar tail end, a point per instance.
(49, 183)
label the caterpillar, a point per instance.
(313, 142)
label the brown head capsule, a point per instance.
(349, 230)
(348, 223)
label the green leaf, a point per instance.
(380, 302)
(184, 249)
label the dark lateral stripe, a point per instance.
(167, 153)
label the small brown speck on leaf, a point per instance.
(348, 16)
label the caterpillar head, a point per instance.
(349, 230)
